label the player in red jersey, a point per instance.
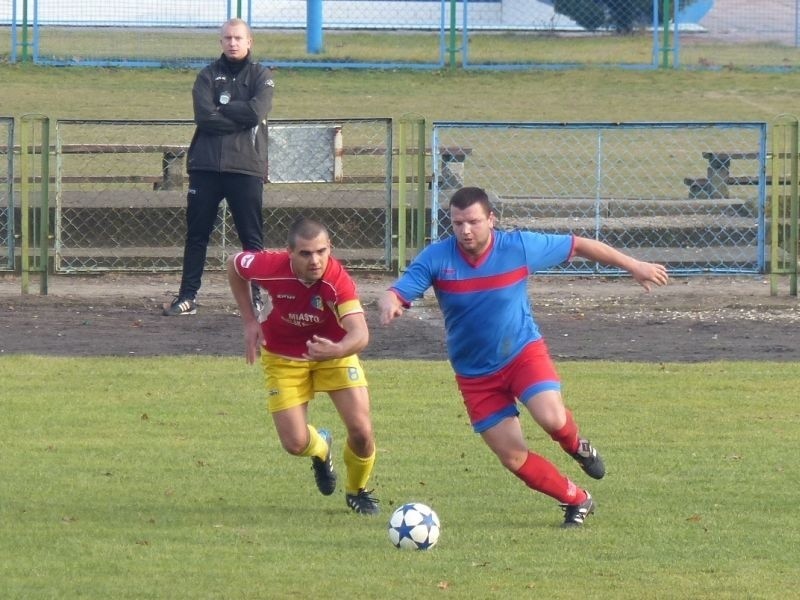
(308, 336)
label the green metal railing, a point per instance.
(784, 204)
(34, 193)
(411, 188)
(7, 210)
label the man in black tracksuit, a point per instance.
(227, 156)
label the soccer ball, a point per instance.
(414, 526)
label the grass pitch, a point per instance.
(163, 478)
(581, 95)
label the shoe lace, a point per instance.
(364, 497)
(585, 450)
(573, 512)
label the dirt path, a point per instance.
(692, 319)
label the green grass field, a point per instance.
(86, 44)
(163, 478)
(569, 96)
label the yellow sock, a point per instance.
(316, 445)
(358, 470)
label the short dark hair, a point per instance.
(467, 196)
(305, 228)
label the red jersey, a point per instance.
(298, 310)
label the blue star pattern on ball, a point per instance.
(414, 526)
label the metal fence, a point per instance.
(6, 196)
(427, 34)
(120, 192)
(762, 35)
(784, 209)
(689, 195)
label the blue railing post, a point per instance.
(314, 26)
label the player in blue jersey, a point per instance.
(479, 276)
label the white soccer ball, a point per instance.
(414, 526)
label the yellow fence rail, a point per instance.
(784, 204)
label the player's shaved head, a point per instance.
(236, 22)
(307, 229)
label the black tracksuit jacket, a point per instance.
(230, 109)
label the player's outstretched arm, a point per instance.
(389, 306)
(646, 274)
(240, 288)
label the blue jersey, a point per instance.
(487, 314)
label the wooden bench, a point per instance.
(715, 184)
(172, 162)
(173, 168)
(451, 169)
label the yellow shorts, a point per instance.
(294, 382)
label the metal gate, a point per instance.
(689, 195)
(120, 191)
(784, 203)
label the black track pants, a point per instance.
(244, 195)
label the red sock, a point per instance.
(541, 475)
(567, 436)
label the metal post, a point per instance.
(451, 46)
(794, 209)
(665, 47)
(419, 242)
(774, 211)
(314, 26)
(35, 43)
(13, 57)
(24, 30)
(402, 148)
(656, 50)
(785, 203)
(8, 191)
(39, 231)
(411, 171)
(676, 35)
(797, 23)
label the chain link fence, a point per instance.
(689, 195)
(120, 192)
(738, 33)
(429, 34)
(6, 196)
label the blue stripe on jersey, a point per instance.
(486, 310)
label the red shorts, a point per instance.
(491, 398)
